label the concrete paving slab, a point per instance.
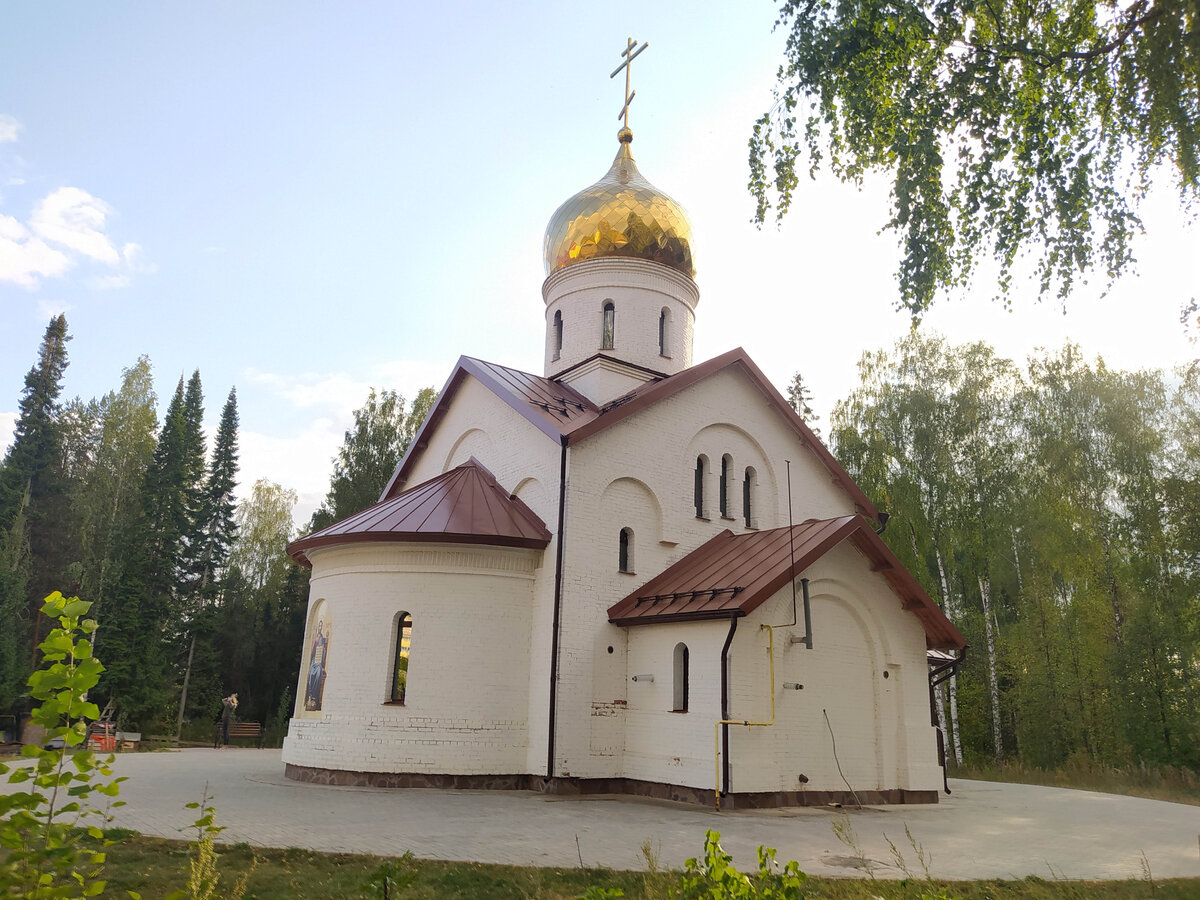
(983, 830)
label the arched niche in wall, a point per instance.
(721, 440)
(630, 503)
(533, 494)
(848, 631)
(472, 442)
(315, 667)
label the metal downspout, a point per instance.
(725, 720)
(722, 780)
(555, 627)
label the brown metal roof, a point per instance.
(733, 574)
(562, 413)
(463, 506)
(551, 407)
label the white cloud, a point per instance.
(301, 462)
(9, 128)
(336, 391)
(67, 224)
(107, 282)
(75, 219)
(25, 258)
(342, 393)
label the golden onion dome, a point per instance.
(621, 215)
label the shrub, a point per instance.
(42, 828)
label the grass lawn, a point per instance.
(155, 867)
(1171, 783)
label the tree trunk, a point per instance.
(187, 674)
(1110, 575)
(985, 593)
(1017, 566)
(948, 606)
(939, 703)
(956, 743)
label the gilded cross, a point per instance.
(631, 50)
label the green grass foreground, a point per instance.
(155, 867)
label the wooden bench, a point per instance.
(245, 730)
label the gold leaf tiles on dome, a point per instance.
(621, 215)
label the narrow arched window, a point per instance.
(558, 333)
(625, 550)
(699, 490)
(609, 326)
(680, 667)
(662, 332)
(726, 463)
(747, 492)
(400, 662)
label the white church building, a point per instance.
(586, 581)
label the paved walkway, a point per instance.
(984, 830)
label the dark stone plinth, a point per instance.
(676, 793)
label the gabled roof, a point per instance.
(551, 407)
(647, 395)
(733, 574)
(565, 415)
(463, 506)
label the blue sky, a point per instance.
(308, 199)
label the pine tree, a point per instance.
(146, 613)
(162, 492)
(32, 503)
(203, 570)
(216, 524)
(191, 538)
(800, 398)
(32, 462)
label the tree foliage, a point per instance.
(1004, 128)
(800, 398)
(383, 429)
(32, 500)
(1048, 509)
(264, 524)
(42, 828)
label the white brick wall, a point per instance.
(639, 291)
(526, 461)
(480, 668)
(467, 701)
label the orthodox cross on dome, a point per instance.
(631, 50)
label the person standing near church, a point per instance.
(228, 707)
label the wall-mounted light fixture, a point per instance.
(792, 686)
(649, 678)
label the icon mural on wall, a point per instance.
(315, 685)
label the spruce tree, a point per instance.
(33, 460)
(800, 399)
(203, 572)
(32, 503)
(148, 622)
(216, 525)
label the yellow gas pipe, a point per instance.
(717, 728)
